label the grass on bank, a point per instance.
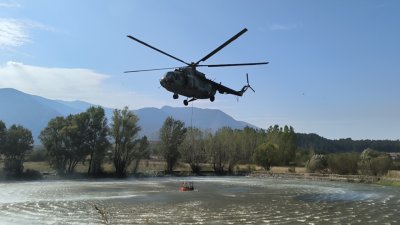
(156, 167)
(153, 166)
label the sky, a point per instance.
(334, 65)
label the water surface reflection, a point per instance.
(226, 200)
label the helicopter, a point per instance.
(193, 84)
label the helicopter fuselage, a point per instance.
(188, 82)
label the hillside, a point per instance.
(34, 112)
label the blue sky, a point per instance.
(334, 65)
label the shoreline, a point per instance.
(318, 176)
(392, 178)
(361, 179)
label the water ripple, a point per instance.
(228, 200)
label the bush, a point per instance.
(343, 163)
(32, 175)
(13, 168)
(317, 163)
(39, 155)
(374, 163)
(395, 165)
(381, 165)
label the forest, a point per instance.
(89, 138)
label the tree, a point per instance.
(70, 140)
(219, 146)
(266, 155)
(142, 151)
(234, 148)
(288, 145)
(124, 130)
(64, 143)
(172, 134)
(285, 140)
(93, 127)
(192, 149)
(250, 139)
(18, 141)
(3, 133)
(74, 143)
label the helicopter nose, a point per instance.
(162, 81)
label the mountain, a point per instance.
(151, 119)
(34, 112)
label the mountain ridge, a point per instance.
(34, 112)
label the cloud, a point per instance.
(14, 33)
(10, 5)
(282, 27)
(69, 84)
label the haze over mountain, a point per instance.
(34, 112)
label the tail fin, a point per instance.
(247, 86)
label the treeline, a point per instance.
(87, 138)
(319, 144)
(228, 147)
(90, 139)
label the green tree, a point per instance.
(285, 139)
(218, 148)
(74, 143)
(192, 149)
(235, 149)
(53, 141)
(3, 133)
(18, 142)
(127, 148)
(172, 134)
(288, 145)
(142, 151)
(266, 155)
(92, 126)
(249, 140)
(64, 142)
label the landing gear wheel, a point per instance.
(212, 98)
(175, 96)
(185, 102)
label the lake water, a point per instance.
(216, 200)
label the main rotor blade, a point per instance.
(154, 48)
(135, 71)
(222, 46)
(235, 64)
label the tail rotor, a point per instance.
(248, 84)
(245, 87)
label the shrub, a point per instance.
(374, 163)
(343, 163)
(32, 175)
(39, 155)
(13, 167)
(317, 163)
